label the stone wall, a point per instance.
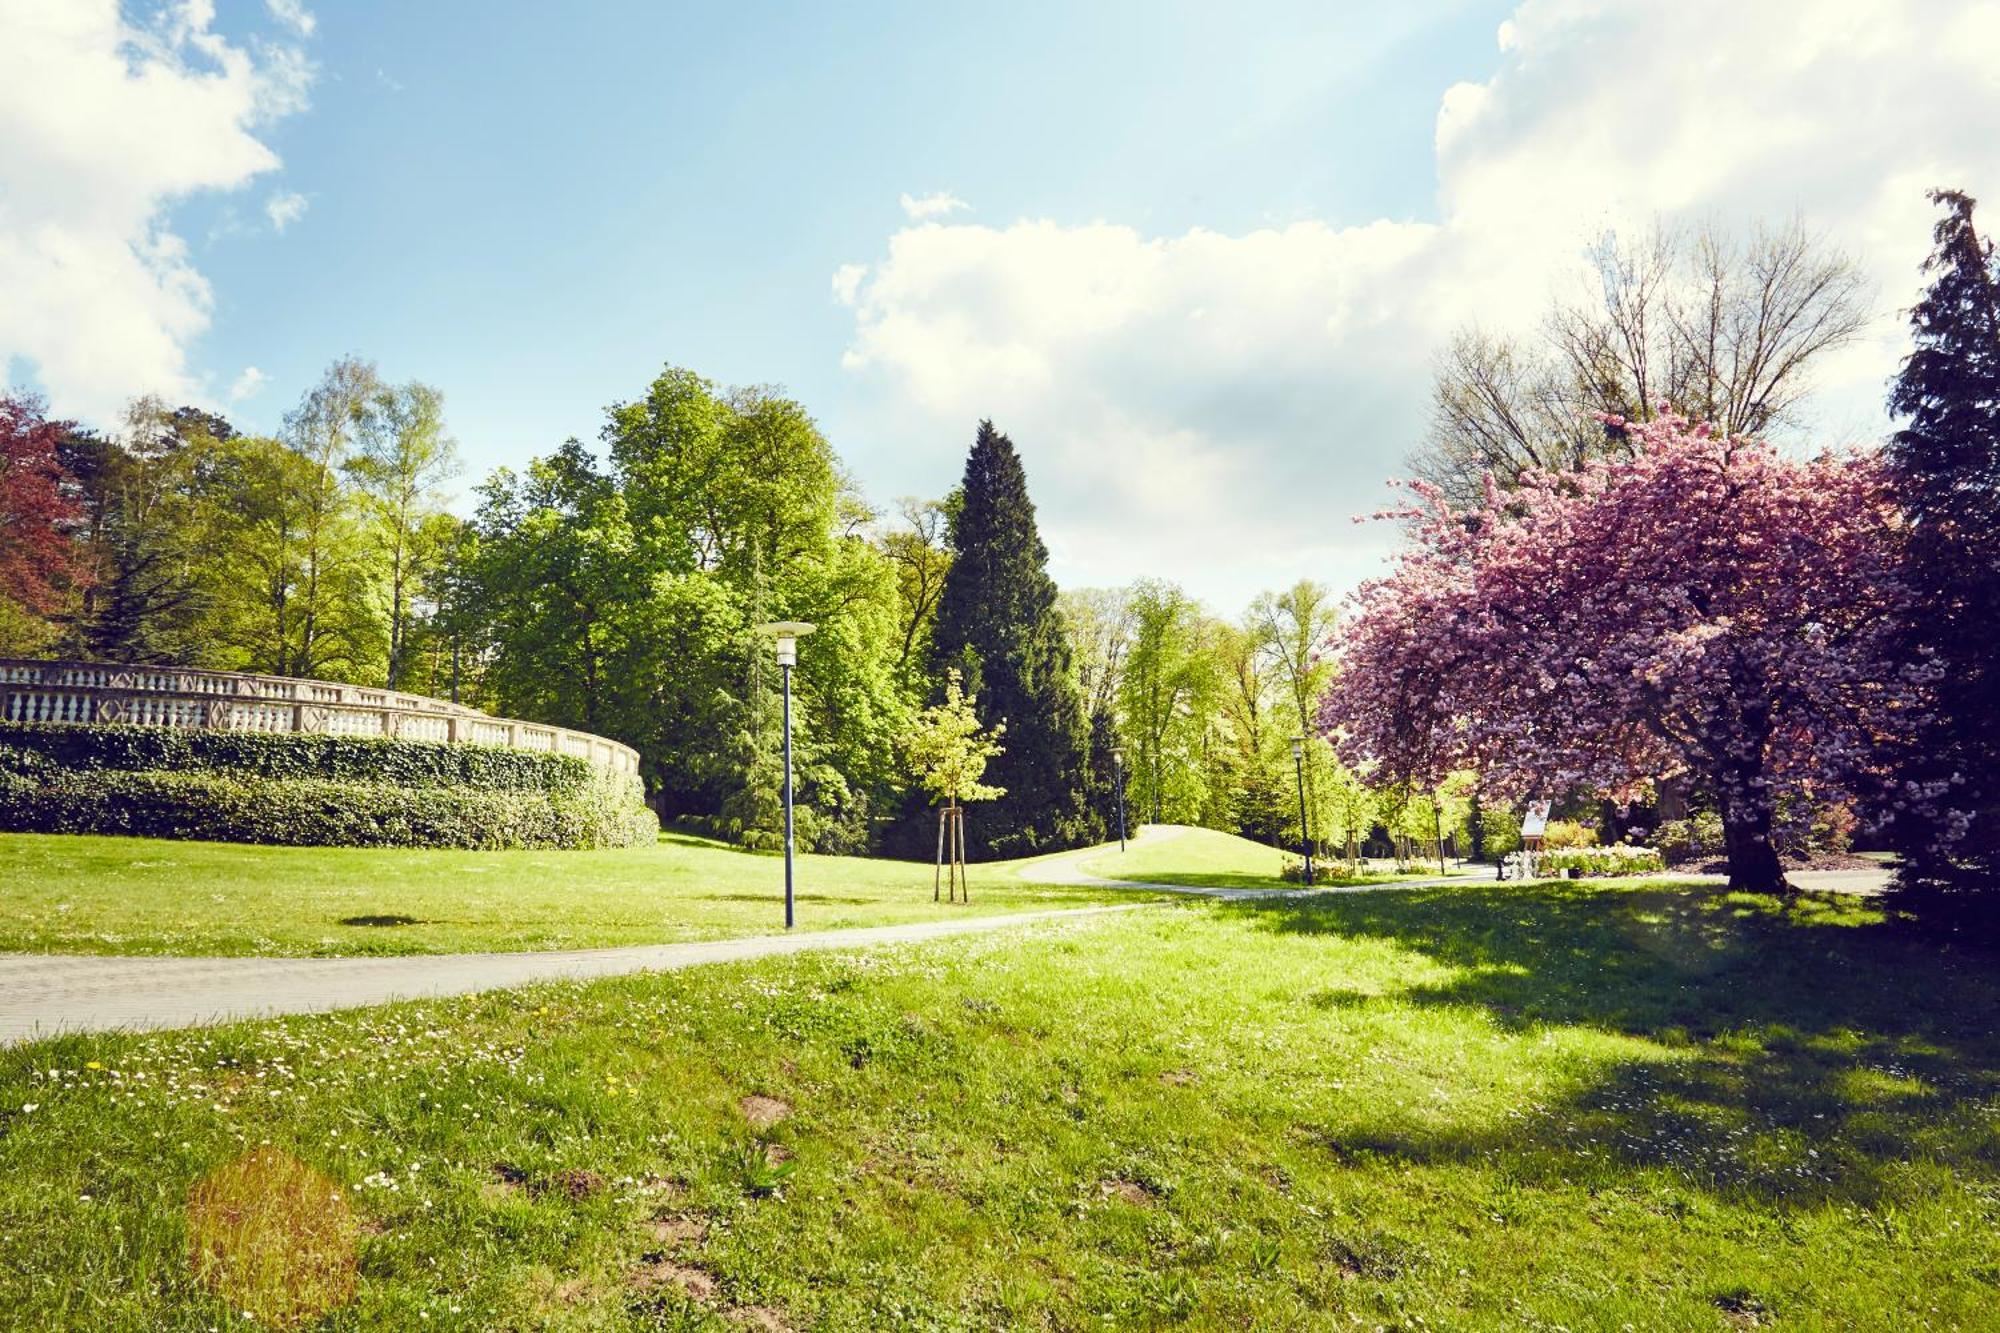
(153, 696)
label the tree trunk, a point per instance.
(1746, 835)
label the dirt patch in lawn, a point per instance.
(763, 1112)
(676, 1231)
(1127, 1191)
(656, 1272)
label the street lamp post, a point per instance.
(787, 634)
(1305, 830)
(1118, 767)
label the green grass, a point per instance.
(1207, 858)
(75, 894)
(1489, 1107)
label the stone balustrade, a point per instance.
(155, 696)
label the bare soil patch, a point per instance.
(763, 1112)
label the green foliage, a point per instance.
(998, 623)
(1619, 859)
(619, 599)
(309, 790)
(288, 755)
(315, 812)
(1946, 464)
(1169, 692)
(1696, 838)
(403, 459)
(948, 748)
(1566, 833)
(1500, 828)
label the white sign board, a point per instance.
(1535, 822)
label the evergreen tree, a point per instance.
(1946, 460)
(998, 624)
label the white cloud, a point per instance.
(104, 122)
(284, 209)
(1217, 406)
(924, 208)
(248, 384)
(847, 282)
(293, 15)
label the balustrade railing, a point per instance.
(151, 696)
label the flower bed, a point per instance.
(1617, 860)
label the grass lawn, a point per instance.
(1209, 858)
(73, 894)
(1489, 1107)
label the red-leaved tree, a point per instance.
(38, 560)
(1709, 606)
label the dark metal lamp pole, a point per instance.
(787, 633)
(1118, 767)
(1305, 830)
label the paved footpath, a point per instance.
(42, 995)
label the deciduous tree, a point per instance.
(1721, 329)
(1707, 605)
(39, 563)
(402, 459)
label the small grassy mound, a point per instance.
(1208, 858)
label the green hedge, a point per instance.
(309, 790)
(85, 747)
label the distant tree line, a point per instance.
(615, 589)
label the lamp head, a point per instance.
(787, 634)
(1298, 747)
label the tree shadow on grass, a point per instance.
(773, 897)
(1800, 1054)
(1233, 880)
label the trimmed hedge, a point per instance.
(79, 747)
(115, 779)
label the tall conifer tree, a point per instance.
(998, 624)
(1947, 464)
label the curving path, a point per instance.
(43, 995)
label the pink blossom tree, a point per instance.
(1708, 606)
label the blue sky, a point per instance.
(1204, 256)
(535, 215)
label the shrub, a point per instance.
(310, 791)
(1325, 873)
(312, 812)
(1501, 832)
(1804, 827)
(286, 755)
(1693, 839)
(1617, 860)
(1567, 833)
